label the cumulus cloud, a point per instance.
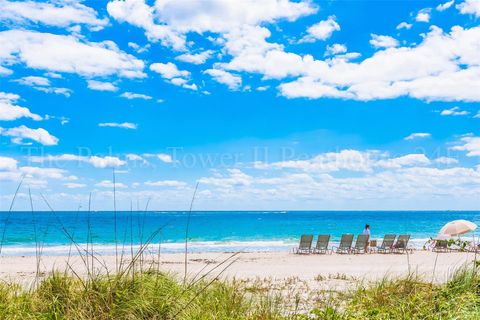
(335, 48)
(73, 185)
(124, 125)
(101, 85)
(133, 95)
(446, 160)
(96, 161)
(19, 134)
(43, 84)
(455, 111)
(321, 30)
(404, 161)
(423, 15)
(61, 53)
(443, 68)
(57, 14)
(470, 7)
(168, 21)
(140, 14)
(109, 184)
(233, 82)
(469, 144)
(445, 6)
(198, 58)
(404, 25)
(165, 157)
(170, 72)
(166, 183)
(10, 111)
(418, 135)
(34, 81)
(379, 41)
(7, 163)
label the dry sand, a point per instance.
(332, 271)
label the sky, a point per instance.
(267, 105)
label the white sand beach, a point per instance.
(335, 270)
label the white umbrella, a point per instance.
(442, 236)
(457, 227)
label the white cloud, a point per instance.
(446, 160)
(233, 82)
(55, 14)
(21, 133)
(101, 85)
(73, 185)
(109, 184)
(379, 41)
(68, 54)
(455, 111)
(169, 21)
(404, 161)
(470, 7)
(124, 125)
(351, 160)
(198, 58)
(139, 14)
(134, 157)
(7, 163)
(335, 48)
(444, 67)
(96, 161)
(445, 6)
(418, 135)
(165, 157)
(43, 84)
(138, 48)
(63, 91)
(404, 25)
(10, 111)
(321, 30)
(166, 183)
(132, 95)
(471, 145)
(236, 178)
(34, 81)
(169, 70)
(423, 15)
(176, 77)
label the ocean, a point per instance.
(209, 231)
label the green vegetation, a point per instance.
(154, 295)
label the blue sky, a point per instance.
(271, 104)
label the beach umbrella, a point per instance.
(442, 236)
(457, 227)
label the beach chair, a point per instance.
(401, 246)
(305, 245)
(474, 248)
(361, 244)
(441, 246)
(322, 244)
(387, 243)
(345, 245)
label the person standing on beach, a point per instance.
(366, 232)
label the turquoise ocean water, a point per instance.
(209, 230)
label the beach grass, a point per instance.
(157, 295)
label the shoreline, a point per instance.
(336, 270)
(178, 247)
